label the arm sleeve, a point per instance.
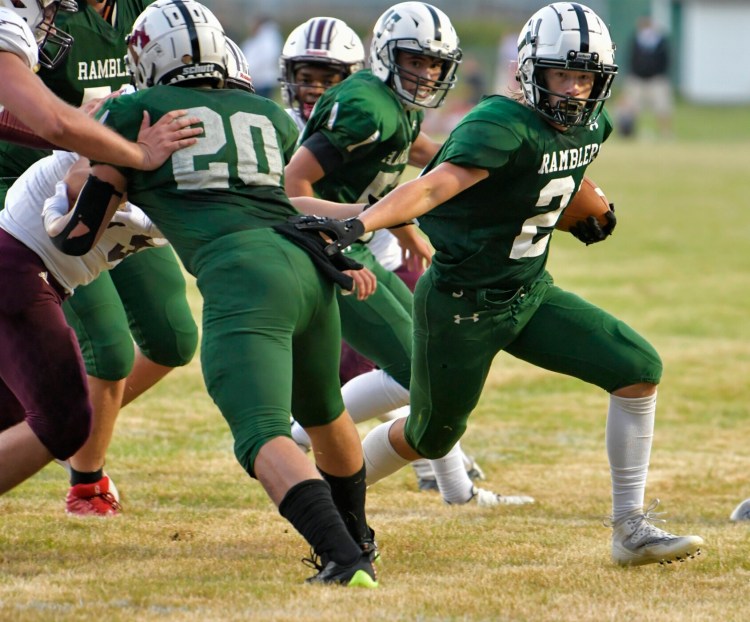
(325, 153)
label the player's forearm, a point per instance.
(405, 203)
(319, 207)
(63, 125)
(82, 134)
(78, 231)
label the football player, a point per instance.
(270, 325)
(23, 27)
(30, 443)
(44, 386)
(357, 143)
(489, 202)
(143, 300)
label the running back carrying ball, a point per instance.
(589, 216)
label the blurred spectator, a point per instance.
(262, 49)
(648, 86)
(473, 79)
(471, 86)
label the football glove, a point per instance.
(589, 231)
(342, 233)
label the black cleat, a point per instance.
(359, 574)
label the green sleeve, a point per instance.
(353, 129)
(480, 144)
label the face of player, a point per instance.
(570, 83)
(311, 81)
(418, 73)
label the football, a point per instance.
(588, 201)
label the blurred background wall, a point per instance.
(708, 51)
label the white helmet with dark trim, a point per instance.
(238, 71)
(39, 16)
(320, 41)
(570, 36)
(418, 28)
(176, 41)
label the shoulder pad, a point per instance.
(16, 37)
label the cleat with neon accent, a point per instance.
(359, 574)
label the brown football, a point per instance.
(588, 201)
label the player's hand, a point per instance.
(365, 283)
(416, 252)
(589, 231)
(167, 135)
(92, 106)
(342, 233)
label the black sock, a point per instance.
(85, 477)
(308, 506)
(349, 496)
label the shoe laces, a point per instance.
(313, 561)
(642, 524)
(109, 499)
(648, 515)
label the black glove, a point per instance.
(342, 232)
(589, 231)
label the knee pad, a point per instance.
(170, 338)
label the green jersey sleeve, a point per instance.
(480, 144)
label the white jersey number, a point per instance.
(258, 155)
(524, 244)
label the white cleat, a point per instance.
(636, 542)
(487, 499)
(741, 512)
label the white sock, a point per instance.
(373, 394)
(423, 469)
(381, 460)
(454, 484)
(630, 432)
(395, 414)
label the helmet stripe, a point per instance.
(319, 34)
(192, 32)
(583, 26)
(436, 22)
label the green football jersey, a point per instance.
(94, 67)
(496, 234)
(366, 123)
(229, 181)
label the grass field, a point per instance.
(200, 541)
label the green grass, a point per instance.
(200, 541)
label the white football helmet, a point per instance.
(418, 28)
(238, 71)
(174, 41)
(324, 41)
(566, 35)
(39, 15)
